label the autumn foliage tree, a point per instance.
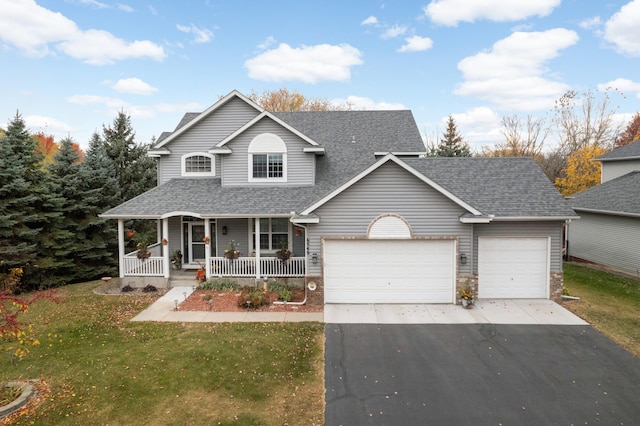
(581, 171)
(631, 133)
(283, 100)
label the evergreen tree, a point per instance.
(18, 214)
(452, 144)
(100, 191)
(136, 172)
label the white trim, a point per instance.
(314, 149)
(282, 178)
(183, 164)
(400, 153)
(376, 165)
(482, 219)
(305, 220)
(532, 218)
(212, 108)
(389, 226)
(607, 212)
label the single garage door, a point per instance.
(389, 271)
(513, 267)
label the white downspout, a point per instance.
(121, 247)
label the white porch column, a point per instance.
(160, 230)
(256, 247)
(207, 247)
(121, 247)
(166, 262)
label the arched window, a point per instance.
(198, 164)
(267, 159)
(389, 226)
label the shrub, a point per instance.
(127, 289)
(218, 284)
(252, 298)
(285, 294)
(283, 290)
(149, 289)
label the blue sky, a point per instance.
(69, 66)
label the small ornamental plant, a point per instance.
(284, 253)
(466, 294)
(232, 252)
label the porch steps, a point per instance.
(183, 278)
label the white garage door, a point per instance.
(389, 271)
(513, 267)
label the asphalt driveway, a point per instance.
(478, 374)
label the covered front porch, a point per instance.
(206, 243)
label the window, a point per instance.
(267, 166)
(198, 164)
(267, 158)
(272, 232)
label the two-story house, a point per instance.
(367, 217)
(608, 232)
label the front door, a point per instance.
(196, 242)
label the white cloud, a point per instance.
(309, 64)
(201, 35)
(451, 12)
(371, 20)
(621, 84)
(267, 43)
(393, 32)
(125, 8)
(47, 125)
(416, 44)
(190, 106)
(95, 3)
(134, 85)
(512, 75)
(361, 103)
(479, 126)
(32, 29)
(622, 29)
(591, 23)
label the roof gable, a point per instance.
(191, 119)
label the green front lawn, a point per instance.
(609, 302)
(102, 369)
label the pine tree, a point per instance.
(452, 144)
(99, 186)
(136, 172)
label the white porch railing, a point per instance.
(246, 267)
(149, 267)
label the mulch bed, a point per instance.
(224, 301)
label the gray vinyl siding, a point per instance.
(300, 165)
(608, 240)
(298, 243)
(615, 169)
(204, 135)
(523, 229)
(238, 231)
(389, 189)
(175, 234)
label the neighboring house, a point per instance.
(608, 232)
(368, 220)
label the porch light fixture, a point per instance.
(224, 230)
(314, 258)
(463, 258)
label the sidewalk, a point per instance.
(163, 310)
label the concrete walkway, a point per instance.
(163, 310)
(493, 311)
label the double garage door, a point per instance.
(423, 271)
(389, 271)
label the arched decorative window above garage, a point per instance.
(267, 159)
(389, 226)
(198, 164)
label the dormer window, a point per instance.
(198, 164)
(267, 159)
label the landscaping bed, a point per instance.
(227, 301)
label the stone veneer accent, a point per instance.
(463, 281)
(556, 283)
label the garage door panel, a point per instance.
(389, 271)
(513, 267)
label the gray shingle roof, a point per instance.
(629, 151)
(620, 196)
(502, 187)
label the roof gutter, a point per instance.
(609, 212)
